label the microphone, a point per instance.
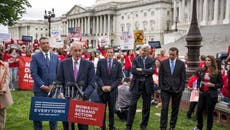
(69, 90)
(79, 87)
(53, 90)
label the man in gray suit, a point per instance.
(172, 83)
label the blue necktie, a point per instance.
(172, 66)
(47, 59)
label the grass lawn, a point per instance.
(18, 117)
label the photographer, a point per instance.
(208, 82)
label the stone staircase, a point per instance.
(215, 39)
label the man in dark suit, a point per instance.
(172, 83)
(142, 84)
(108, 76)
(77, 70)
(43, 69)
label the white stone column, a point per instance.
(201, 10)
(82, 29)
(227, 12)
(183, 12)
(93, 25)
(105, 23)
(189, 13)
(75, 22)
(66, 28)
(180, 11)
(89, 25)
(216, 12)
(174, 11)
(108, 33)
(222, 10)
(101, 31)
(85, 25)
(114, 24)
(205, 13)
(97, 28)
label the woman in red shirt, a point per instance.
(12, 59)
(128, 63)
(208, 82)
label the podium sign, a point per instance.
(48, 109)
(88, 113)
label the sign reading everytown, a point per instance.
(83, 112)
(48, 109)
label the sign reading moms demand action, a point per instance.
(48, 109)
(86, 113)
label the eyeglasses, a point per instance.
(77, 50)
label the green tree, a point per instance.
(12, 10)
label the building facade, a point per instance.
(34, 28)
(106, 20)
(209, 12)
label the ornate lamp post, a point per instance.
(49, 16)
(193, 39)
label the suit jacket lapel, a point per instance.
(168, 66)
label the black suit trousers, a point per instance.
(165, 98)
(145, 107)
(111, 101)
(80, 126)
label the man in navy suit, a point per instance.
(43, 69)
(172, 83)
(141, 85)
(108, 76)
(77, 70)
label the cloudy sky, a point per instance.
(60, 7)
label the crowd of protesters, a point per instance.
(207, 79)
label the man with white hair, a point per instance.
(142, 69)
(76, 70)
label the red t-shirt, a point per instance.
(201, 64)
(224, 90)
(10, 59)
(229, 49)
(128, 61)
(206, 79)
(61, 57)
(191, 80)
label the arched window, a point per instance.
(152, 13)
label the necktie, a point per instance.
(143, 59)
(109, 66)
(172, 67)
(75, 70)
(47, 59)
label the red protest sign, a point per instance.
(25, 81)
(88, 113)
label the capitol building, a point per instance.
(166, 21)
